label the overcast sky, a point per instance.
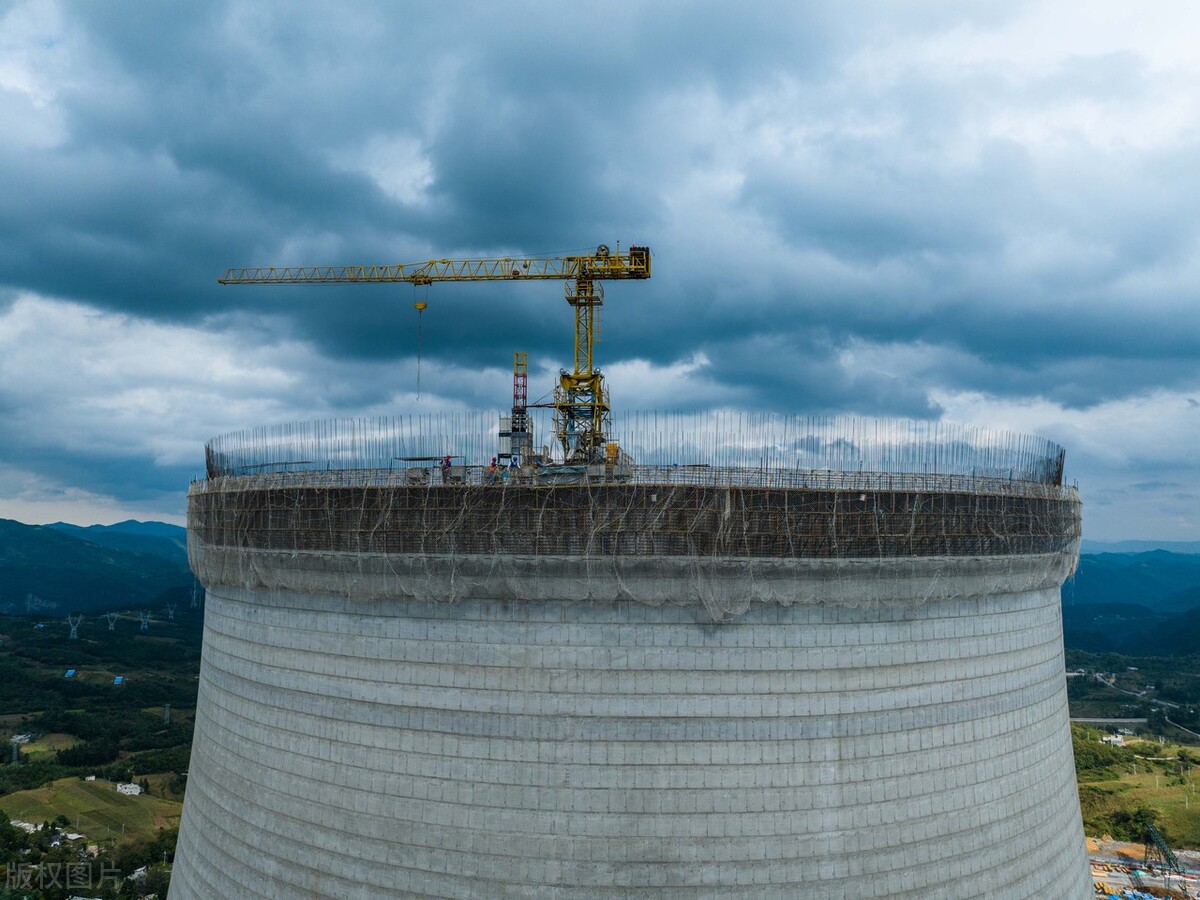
(982, 213)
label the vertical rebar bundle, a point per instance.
(721, 439)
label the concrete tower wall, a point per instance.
(805, 718)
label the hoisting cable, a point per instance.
(419, 306)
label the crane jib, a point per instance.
(634, 264)
(582, 412)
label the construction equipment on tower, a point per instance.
(582, 417)
(520, 437)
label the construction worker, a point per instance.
(491, 479)
(446, 468)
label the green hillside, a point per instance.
(1138, 604)
(47, 572)
(152, 538)
(93, 807)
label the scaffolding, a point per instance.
(693, 511)
(861, 517)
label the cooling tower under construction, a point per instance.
(812, 659)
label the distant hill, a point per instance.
(1182, 601)
(161, 529)
(53, 571)
(1179, 637)
(1138, 604)
(1140, 546)
(1146, 578)
(154, 538)
(1112, 627)
(1131, 630)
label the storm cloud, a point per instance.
(981, 213)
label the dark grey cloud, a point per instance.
(864, 211)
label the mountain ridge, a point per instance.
(1131, 546)
(1139, 604)
(154, 538)
(50, 571)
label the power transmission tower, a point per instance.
(167, 713)
(74, 621)
(145, 617)
(171, 612)
(195, 591)
(112, 620)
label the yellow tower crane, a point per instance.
(582, 418)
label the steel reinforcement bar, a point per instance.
(277, 513)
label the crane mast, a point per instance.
(582, 416)
(520, 436)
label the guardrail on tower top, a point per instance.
(721, 447)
